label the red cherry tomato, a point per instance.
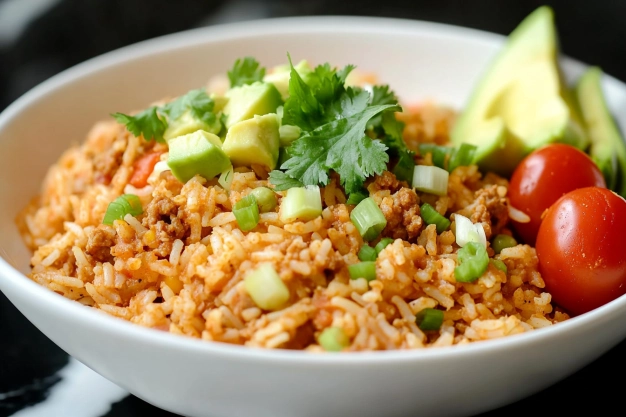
(545, 175)
(580, 247)
(143, 168)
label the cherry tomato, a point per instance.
(545, 175)
(143, 168)
(580, 247)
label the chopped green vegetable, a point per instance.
(356, 197)
(502, 242)
(367, 253)
(226, 178)
(430, 179)
(462, 156)
(432, 216)
(265, 198)
(282, 181)
(368, 219)
(365, 270)
(384, 242)
(121, 206)
(333, 120)
(253, 141)
(146, 123)
(288, 134)
(245, 71)
(342, 146)
(246, 212)
(473, 262)
(249, 100)
(448, 157)
(499, 264)
(392, 128)
(197, 153)
(429, 319)
(608, 149)
(153, 122)
(266, 288)
(440, 154)
(301, 203)
(333, 339)
(466, 231)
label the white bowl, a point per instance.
(195, 378)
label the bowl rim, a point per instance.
(279, 25)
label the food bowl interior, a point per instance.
(420, 61)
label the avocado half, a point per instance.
(521, 102)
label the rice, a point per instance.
(181, 265)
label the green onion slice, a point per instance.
(368, 219)
(429, 319)
(384, 242)
(466, 231)
(473, 262)
(265, 198)
(430, 179)
(462, 156)
(356, 197)
(367, 253)
(432, 216)
(246, 213)
(121, 206)
(226, 178)
(333, 339)
(499, 264)
(365, 270)
(266, 288)
(301, 203)
(502, 242)
(440, 154)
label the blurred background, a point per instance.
(39, 38)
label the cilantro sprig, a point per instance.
(245, 71)
(335, 121)
(152, 122)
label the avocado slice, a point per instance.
(245, 101)
(521, 102)
(187, 123)
(608, 148)
(280, 74)
(254, 141)
(199, 152)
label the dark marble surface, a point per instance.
(37, 378)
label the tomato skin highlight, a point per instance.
(580, 249)
(142, 169)
(545, 175)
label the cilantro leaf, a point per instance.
(302, 108)
(152, 122)
(392, 128)
(282, 181)
(381, 94)
(323, 99)
(146, 123)
(197, 102)
(245, 71)
(342, 146)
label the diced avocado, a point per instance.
(280, 75)
(245, 101)
(608, 148)
(521, 102)
(187, 123)
(254, 141)
(199, 152)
